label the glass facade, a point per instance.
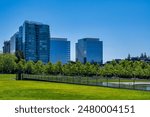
(43, 43)
(15, 43)
(6, 47)
(36, 41)
(59, 50)
(89, 50)
(19, 41)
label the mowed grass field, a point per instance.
(10, 89)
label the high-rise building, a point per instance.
(19, 41)
(15, 43)
(6, 47)
(89, 50)
(36, 41)
(59, 50)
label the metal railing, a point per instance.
(132, 83)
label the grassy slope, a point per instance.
(11, 89)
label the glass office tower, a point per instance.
(15, 43)
(19, 41)
(59, 50)
(89, 50)
(36, 41)
(6, 47)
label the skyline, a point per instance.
(123, 26)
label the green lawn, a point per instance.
(7, 77)
(36, 90)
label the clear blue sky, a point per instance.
(123, 25)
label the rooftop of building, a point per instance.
(91, 39)
(33, 22)
(58, 39)
(7, 41)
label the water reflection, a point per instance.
(126, 85)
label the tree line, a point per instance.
(125, 68)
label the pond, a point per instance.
(128, 85)
(142, 87)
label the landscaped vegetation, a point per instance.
(37, 90)
(124, 68)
